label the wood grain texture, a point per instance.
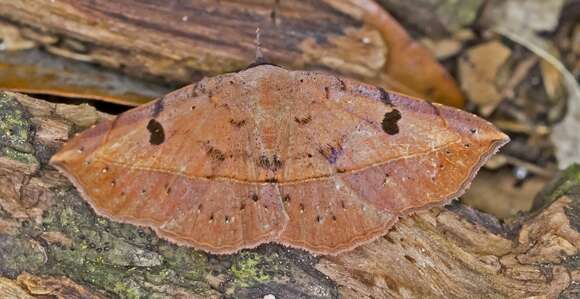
(36, 72)
(181, 41)
(47, 230)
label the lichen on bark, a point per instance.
(15, 131)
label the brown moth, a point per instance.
(304, 159)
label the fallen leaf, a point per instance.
(409, 67)
(520, 72)
(509, 196)
(552, 78)
(565, 134)
(478, 72)
(443, 48)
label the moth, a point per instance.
(305, 159)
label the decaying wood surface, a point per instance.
(51, 242)
(181, 41)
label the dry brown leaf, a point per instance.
(565, 134)
(409, 67)
(478, 72)
(443, 48)
(508, 196)
(552, 78)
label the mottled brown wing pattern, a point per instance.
(210, 212)
(305, 159)
(327, 216)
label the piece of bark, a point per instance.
(34, 71)
(26, 68)
(59, 287)
(455, 252)
(180, 42)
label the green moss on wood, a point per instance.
(563, 184)
(15, 126)
(18, 156)
(20, 254)
(249, 268)
(191, 264)
(122, 259)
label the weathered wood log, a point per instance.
(37, 72)
(51, 242)
(181, 41)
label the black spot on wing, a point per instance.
(389, 122)
(272, 164)
(237, 123)
(156, 132)
(303, 120)
(254, 197)
(216, 154)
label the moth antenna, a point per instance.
(259, 55)
(260, 60)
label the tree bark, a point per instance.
(181, 41)
(51, 241)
